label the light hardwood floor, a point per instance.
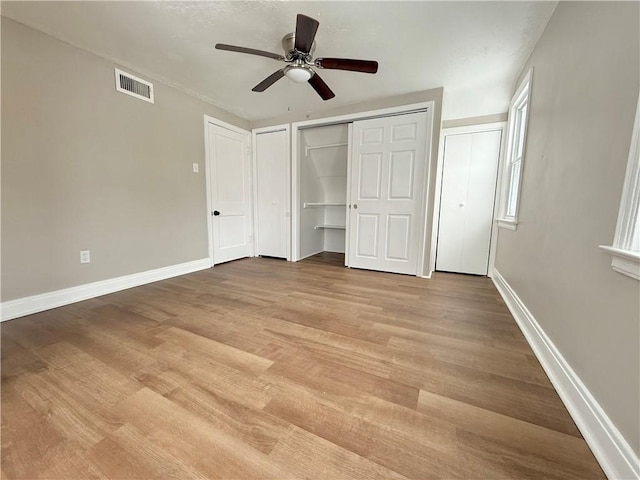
(261, 368)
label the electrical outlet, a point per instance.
(85, 256)
(196, 168)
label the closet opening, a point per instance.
(323, 153)
(361, 188)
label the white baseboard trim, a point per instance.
(45, 301)
(426, 276)
(612, 451)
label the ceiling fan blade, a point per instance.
(250, 51)
(306, 28)
(322, 88)
(364, 66)
(270, 80)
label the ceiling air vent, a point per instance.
(134, 86)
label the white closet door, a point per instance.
(272, 165)
(467, 201)
(387, 190)
(230, 193)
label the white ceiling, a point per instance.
(473, 49)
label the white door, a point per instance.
(387, 178)
(229, 187)
(272, 186)
(466, 204)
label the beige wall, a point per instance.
(85, 167)
(585, 90)
(433, 95)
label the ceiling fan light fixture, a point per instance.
(298, 74)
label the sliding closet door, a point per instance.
(387, 190)
(272, 187)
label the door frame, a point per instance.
(296, 128)
(254, 168)
(207, 168)
(477, 128)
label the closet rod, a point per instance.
(313, 147)
(336, 227)
(323, 204)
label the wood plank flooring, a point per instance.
(261, 369)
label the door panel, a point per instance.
(232, 231)
(272, 165)
(230, 193)
(403, 132)
(467, 201)
(369, 186)
(398, 237)
(387, 184)
(401, 183)
(371, 135)
(367, 235)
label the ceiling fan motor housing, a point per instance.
(288, 45)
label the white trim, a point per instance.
(46, 301)
(256, 231)
(481, 127)
(296, 127)
(625, 257)
(628, 217)
(508, 224)
(612, 451)
(207, 168)
(207, 180)
(295, 195)
(384, 112)
(624, 261)
(347, 231)
(522, 95)
(228, 126)
(424, 204)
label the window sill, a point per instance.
(508, 224)
(624, 261)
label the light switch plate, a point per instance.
(196, 168)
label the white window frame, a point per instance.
(625, 251)
(519, 109)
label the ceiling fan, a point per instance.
(299, 47)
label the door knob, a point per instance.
(355, 205)
(461, 204)
(215, 213)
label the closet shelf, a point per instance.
(314, 147)
(324, 204)
(335, 227)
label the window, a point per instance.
(512, 174)
(625, 251)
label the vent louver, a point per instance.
(134, 86)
